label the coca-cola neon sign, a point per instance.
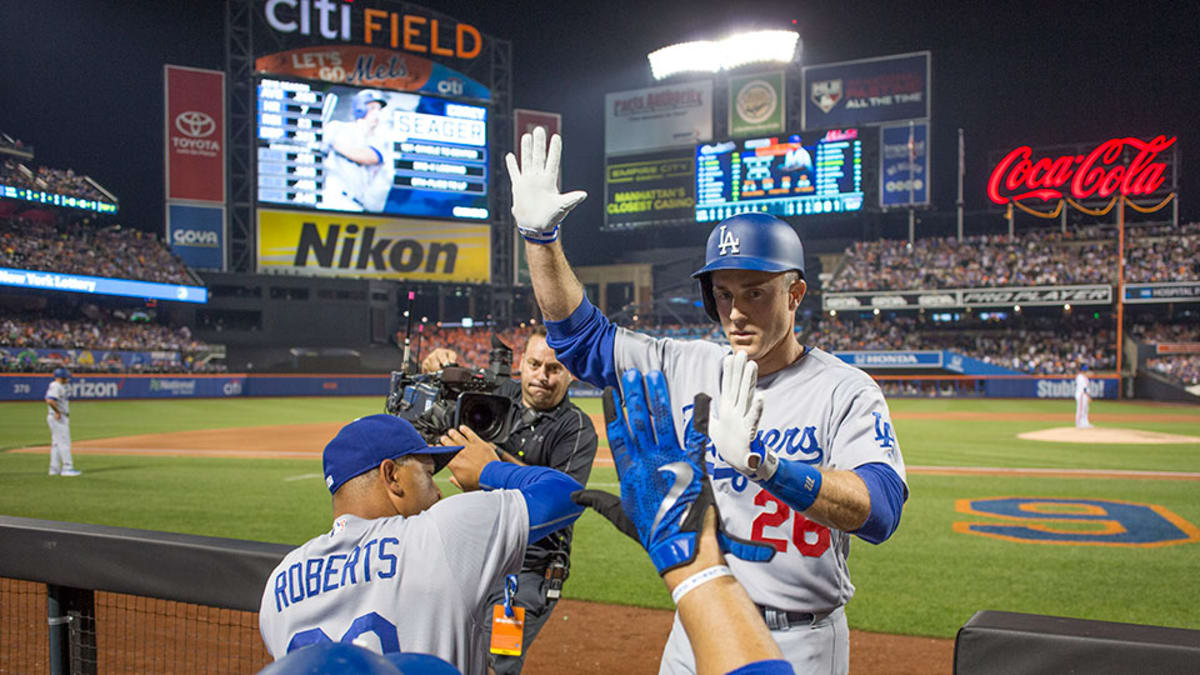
(1099, 174)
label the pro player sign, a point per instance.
(194, 132)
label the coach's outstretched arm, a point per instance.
(538, 208)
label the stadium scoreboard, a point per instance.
(780, 177)
(320, 147)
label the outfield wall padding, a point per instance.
(110, 387)
(1009, 643)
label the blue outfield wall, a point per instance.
(99, 387)
(1047, 387)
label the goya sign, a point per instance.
(1119, 166)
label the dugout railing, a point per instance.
(78, 598)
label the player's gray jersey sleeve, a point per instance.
(484, 535)
(674, 357)
(862, 430)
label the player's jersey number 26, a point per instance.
(809, 538)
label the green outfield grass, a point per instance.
(927, 580)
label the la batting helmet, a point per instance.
(62, 372)
(748, 241)
(359, 104)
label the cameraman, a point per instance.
(547, 430)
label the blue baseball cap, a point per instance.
(361, 445)
(62, 372)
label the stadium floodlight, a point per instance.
(710, 56)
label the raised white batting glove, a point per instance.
(733, 423)
(538, 207)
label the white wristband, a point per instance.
(703, 576)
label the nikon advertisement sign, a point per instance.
(952, 298)
(649, 189)
(346, 245)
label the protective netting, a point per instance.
(126, 633)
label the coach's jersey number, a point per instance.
(1076, 522)
(803, 529)
(389, 640)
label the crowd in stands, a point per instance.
(49, 179)
(7, 141)
(1183, 367)
(1037, 346)
(78, 247)
(473, 345)
(1083, 255)
(97, 335)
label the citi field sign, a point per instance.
(349, 21)
(1120, 166)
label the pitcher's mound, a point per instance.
(1105, 435)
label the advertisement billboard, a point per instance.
(867, 92)
(1089, 172)
(904, 165)
(525, 121)
(371, 67)
(79, 283)
(376, 23)
(338, 148)
(341, 245)
(1168, 291)
(194, 132)
(649, 189)
(197, 235)
(670, 116)
(800, 175)
(757, 104)
(935, 298)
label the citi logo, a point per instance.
(195, 124)
(365, 252)
(195, 238)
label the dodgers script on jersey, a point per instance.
(415, 584)
(818, 410)
(57, 390)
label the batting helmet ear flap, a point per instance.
(706, 293)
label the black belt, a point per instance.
(778, 619)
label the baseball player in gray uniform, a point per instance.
(358, 162)
(401, 570)
(59, 418)
(803, 452)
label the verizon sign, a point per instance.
(1120, 166)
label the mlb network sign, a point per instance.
(867, 92)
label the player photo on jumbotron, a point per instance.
(342, 148)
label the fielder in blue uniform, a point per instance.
(402, 570)
(803, 454)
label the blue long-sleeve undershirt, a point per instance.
(583, 342)
(547, 494)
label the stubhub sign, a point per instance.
(197, 235)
